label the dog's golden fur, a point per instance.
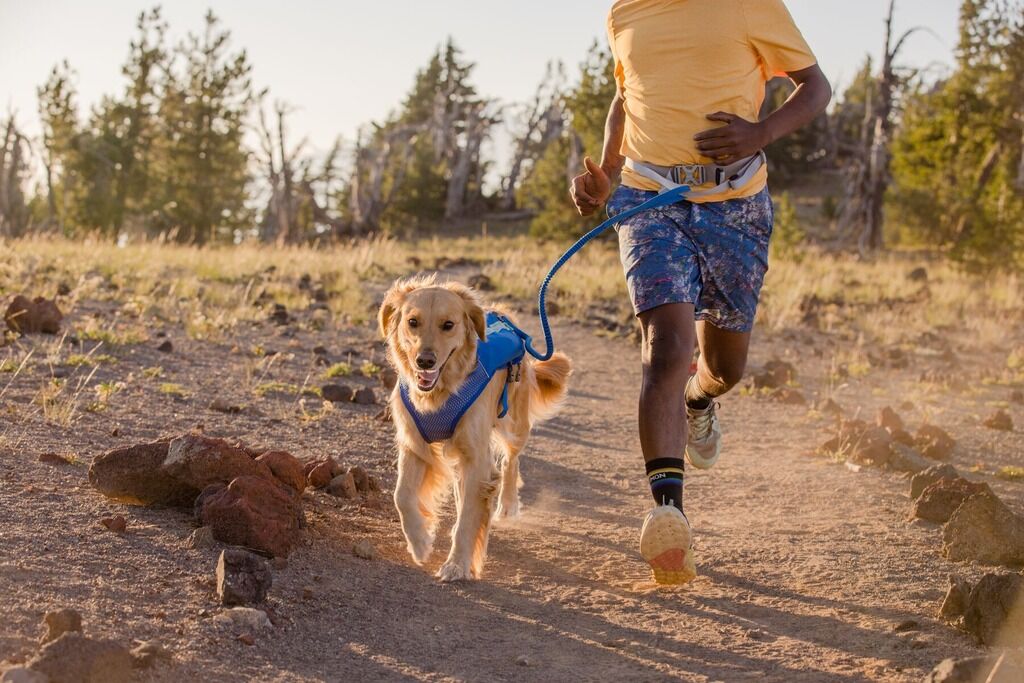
(482, 457)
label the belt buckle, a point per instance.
(689, 174)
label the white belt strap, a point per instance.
(736, 175)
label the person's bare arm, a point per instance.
(591, 189)
(740, 138)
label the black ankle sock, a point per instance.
(695, 396)
(666, 478)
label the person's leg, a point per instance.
(668, 339)
(723, 359)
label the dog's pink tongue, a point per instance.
(426, 380)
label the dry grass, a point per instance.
(209, 291)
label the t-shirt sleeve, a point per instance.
(776, 38)
(620, 74)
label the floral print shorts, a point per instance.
(713, 255)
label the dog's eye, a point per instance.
(413, 322)
(447, 325)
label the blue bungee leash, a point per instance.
(665, 198)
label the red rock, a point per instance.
(871, 447)
(117, 523)
(984, 530)
(888, 418)
(934, 442)
(198, 461)
(343, 486)
(30, 317)
(776, 373)
(285, 467)
(253, 512)
(133, 475)
(321, 475)
(360, 478)
(246, 639)
(999, 420)
(939, 500)
(927, 477)
(54, 459)
(992, 611)
(364, 396)
(60, 622)
(388, 379)
(73, 658)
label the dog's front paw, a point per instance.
(420, 548)
(453, 571)
(507, 510)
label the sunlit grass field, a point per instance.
(208, 291)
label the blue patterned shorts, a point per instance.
(713, 255)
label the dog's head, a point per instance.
(431, 329)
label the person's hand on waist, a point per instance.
(736, 140)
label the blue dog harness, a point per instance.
(502, 349)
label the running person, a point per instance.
(690, 78)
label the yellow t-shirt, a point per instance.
(676, 61)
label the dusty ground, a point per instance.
(806, 565)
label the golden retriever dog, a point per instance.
(432, 330)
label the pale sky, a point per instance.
(344, 63)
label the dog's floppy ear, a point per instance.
(389, 308)
(474, 311)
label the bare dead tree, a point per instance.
(869, 173)
(542, 124)
(13, 169)
(388, 149)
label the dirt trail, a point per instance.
(806, 566)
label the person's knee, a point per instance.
(726, 374)
(667, 354)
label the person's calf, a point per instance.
(707, 385)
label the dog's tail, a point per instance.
(551, 386)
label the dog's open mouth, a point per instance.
(426, 380)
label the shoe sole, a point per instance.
(665, 546)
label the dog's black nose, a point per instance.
(425, 361)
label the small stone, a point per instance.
(343, 486)
(939, 501)
(242, 577)
(522, 660)
(888, 418)
(999, 420)
(968, 670)
(165, 347)
(388, 379)
(919, 274)
(246, 639)
(279, 315)
(480, 282)
(361, 478)
(73, 658)
(983, 529)
(364, 549)
(924, 479)
(374, 484)
(903, 458)
(219, 405)
(321, 475)
(33, 316)
(51, 458)
(279, 563)
(364, 396)
(934, 442)
(201, 539)
(336, 393)
(60, 622)
(788, 396)
(148, 653)
(906, 625)
(955, 602)
(307, 593)
(993, 613)
(117, 524)
(246, 618)
(286, 468)
(21, 674)
(774, 374)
